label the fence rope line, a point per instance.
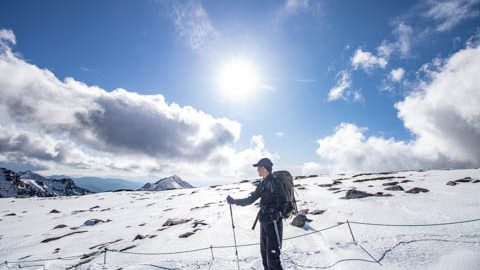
(422, 240)
(415, 225)
(105, 250)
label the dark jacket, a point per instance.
(273, 200)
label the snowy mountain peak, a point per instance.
(31, 175)
(168, 183)
(28, 184)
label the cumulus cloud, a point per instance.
(67, 124)
(449, 13)
(344, 82)
(7, 36)
(367, 60)
(342, 90)
(191, 22)
(442, 114)
(397, 74)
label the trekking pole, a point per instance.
(234, 237)
(279, 241)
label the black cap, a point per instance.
(264, 162)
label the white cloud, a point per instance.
(310, 168)
(403, 32)
(7, 36)
(442, 115)
(397, 74)
(70, 126)
(449, 13)
(342, 89)
(305, 6)
(280, 134)
(344, 82)
(192, 22)
(367, 61)
(402, 44)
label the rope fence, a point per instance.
(105, 250)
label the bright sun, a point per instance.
(237, 79)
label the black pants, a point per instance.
(269, 246)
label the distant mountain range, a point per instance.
(100, 184)
(30, 184)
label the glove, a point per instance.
(286, 210)
(230, 200)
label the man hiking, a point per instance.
(273, 206)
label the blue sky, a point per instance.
(325, 71)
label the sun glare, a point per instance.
(237, 79)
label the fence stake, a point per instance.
(104, 256)
(213, 258)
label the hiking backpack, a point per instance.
(286, 179)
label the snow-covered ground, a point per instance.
(128, 214)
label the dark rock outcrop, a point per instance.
(395, 188)
(417, 190)
(300, 220)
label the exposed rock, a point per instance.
(139, 237)
(60, 226)
(416, 190)
(10, 215)
(381, 194)
(395, 188)
(390, 184)
(476, 181)
(336, 182)
(56, 250)
(299, 220)
(185, 235)
(406, 181)
(199, 222)
(325, 185)
(127, 248)
(451, 183)
(173, 222)
(244, 181)
(363, 174)
(378, 178)
(24, 257)
(78, 211)
(56, 238)
(464, 180)
(356, 194)
(317, 212)
(102, 245)
(92, 222)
